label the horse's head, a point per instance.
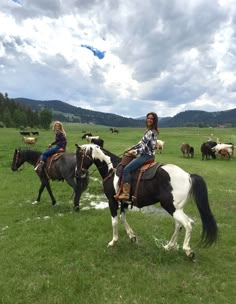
(17, 160)
(88, 154)
(83, 160)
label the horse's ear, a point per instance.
(78, 147)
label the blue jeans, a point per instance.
(134, 164)
(49, 152)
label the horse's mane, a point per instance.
(30, 152)
(114, 158)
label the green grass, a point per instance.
(53, 255)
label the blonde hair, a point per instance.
(61, 127)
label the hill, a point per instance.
(65, 112)
(202, 119)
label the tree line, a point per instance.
(15, 115)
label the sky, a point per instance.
(122, 57)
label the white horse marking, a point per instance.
(114, 222)
(98, 154)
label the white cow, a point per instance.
(227, 147)
(90, 138)
(160, 145)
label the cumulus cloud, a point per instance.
(121, 57)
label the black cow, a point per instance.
(25, 133)
(86, 134)
(99, 142)
(206, 149)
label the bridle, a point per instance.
(83, 170)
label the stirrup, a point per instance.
(39, 166)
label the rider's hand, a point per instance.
(128, 149)
(132, 152)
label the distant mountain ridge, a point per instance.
(192, 118)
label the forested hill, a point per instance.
(15, 115)
(65, 112)
(202, 119)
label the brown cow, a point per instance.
(187, 150)
(224, 153)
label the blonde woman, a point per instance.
(59, 143)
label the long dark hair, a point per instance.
(155, 121)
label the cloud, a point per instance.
(163, 56)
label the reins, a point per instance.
(84, 154)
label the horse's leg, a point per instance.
(77, 193)
(172, 244)
(113, 204)
(71, 182)
(128, 229)
(187, 222)
(48, 187)
(42, 186)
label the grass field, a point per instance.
(55, 256)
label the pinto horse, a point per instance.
(61, 169)
(169, 184)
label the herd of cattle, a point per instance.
(209, 149)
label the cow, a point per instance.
(224, 153)
(187, 150)
(225, 147)
(114, 130)
(160, 145)
(95, 140)
(206, 150)
(30, 140)
(25, 133)
(86, 134)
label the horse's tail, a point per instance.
(209, 225)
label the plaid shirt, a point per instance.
(60, 140)
(147, 144)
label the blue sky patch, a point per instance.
(95, 51)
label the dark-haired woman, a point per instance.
(144, 150)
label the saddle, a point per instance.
(49, 162)
(55, 156)
(145, 172)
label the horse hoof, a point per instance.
(111, 243)
(192, 256)
(35, 202)
(133, 239)
(76, 208)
